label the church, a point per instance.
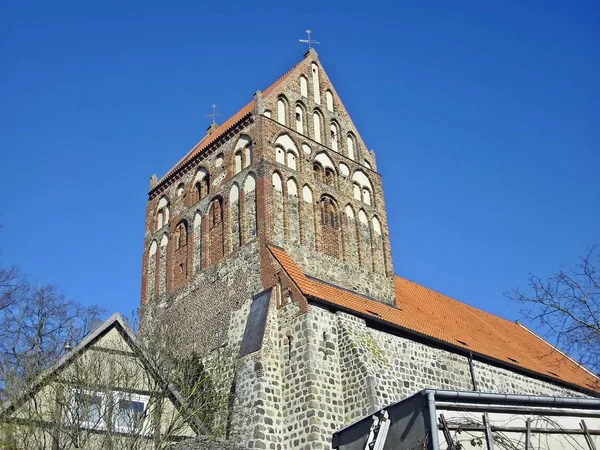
(267, 249)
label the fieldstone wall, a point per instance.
(319, 370)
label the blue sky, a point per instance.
(484, 117)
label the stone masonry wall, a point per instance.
(319, 371)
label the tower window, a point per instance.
(329, 216)
(318, 172)
(329, 177)
(180, 236)
(334, 137)
(162, 213)
(238, 161)
(299, 120)
(317, 126)
(291, 160)
(303, 86)
(281, 111)
(329, 100)
(216, 214)
(202, 186)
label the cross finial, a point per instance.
(309, 41)
(214, 114)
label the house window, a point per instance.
(129, 412)
(87, 409)
(90, 410)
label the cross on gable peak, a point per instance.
(308, 40)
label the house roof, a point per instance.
(226, 126)
(424, 312)
(117, 322)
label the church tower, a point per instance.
(267, 254)
(289, 169)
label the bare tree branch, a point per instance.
(566, 308)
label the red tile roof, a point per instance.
(430, 314)
(225, 126)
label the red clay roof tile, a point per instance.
(429, 313)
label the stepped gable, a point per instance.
(424, 312)
(222, 129)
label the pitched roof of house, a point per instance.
(429, 314)
(222, 129)
(117, 322)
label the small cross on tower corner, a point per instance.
(213, 126)
(214, 114)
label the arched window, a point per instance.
(329, 177)
(315, 82)
(201, 184)
(216, 214)
(366, 196)
(234, 194)
(317, 126)
(318, 172)
(307, 194)
(276, 179)
(238, 161)
(362, 187)
(281, 111)
(291, 160)
(280, 155)
(248, 155)
(267, 113)
(329, 100)
(334, 137)
(180, 189)
(303, 86)
(244, 148)
(350, 146)
(329, 216)
(367, 164)
(292, 188)
(376, 225)
(356, 191)
(180, 236)
(299, 120)
(162, 213)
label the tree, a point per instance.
(566, 307)
(36, 323)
